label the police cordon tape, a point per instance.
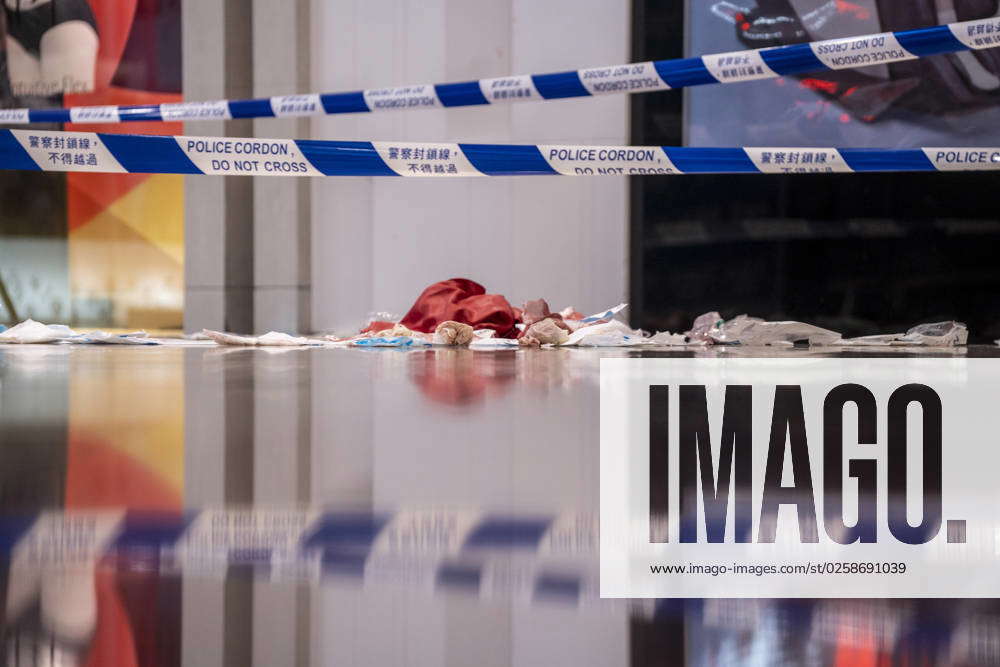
(732, 67)
(38, 150)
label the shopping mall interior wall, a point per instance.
(218, 211)
(247, 255)
(377, 243)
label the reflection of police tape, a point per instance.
(537, 556)
(58, 537)
(116, 153)
(644, 77)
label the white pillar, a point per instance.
(218, 211)
(282, 274)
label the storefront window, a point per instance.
(92, 249)
(855, 255)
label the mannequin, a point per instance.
(51, 46)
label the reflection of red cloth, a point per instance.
(457, 377)
(463, 301)
(100, 476)
(113, 642)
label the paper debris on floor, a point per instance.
(606, 315)
(105, 338)
(30, 331)
(270, 339)
(391, 341)
(701, 330)
(608, 334)
(753, 331)
(878, 340)
(938, 333)
(494, 344)
(935, 334)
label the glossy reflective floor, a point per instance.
(429, 442)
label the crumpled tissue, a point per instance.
(935, 334)
(702, 328)
(270, 339)
(544, 332)
(30, 331)
(454, 333)
(607, 334)
(667, 338)
(753, 331)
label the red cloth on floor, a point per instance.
(465, 301)
(378, 325)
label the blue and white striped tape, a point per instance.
(120, 153)
(733, 67)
